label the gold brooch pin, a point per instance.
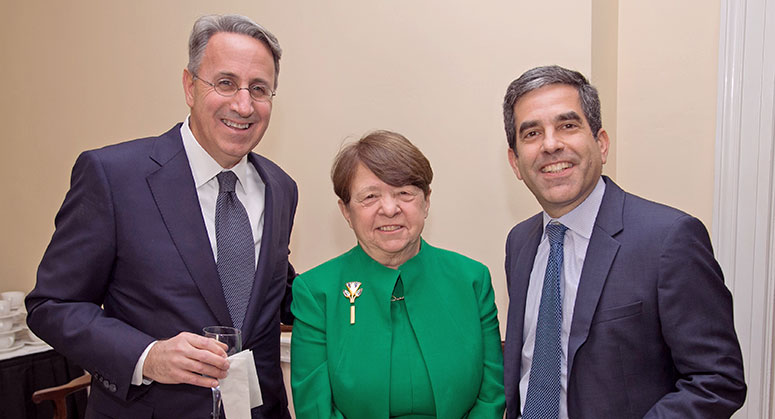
(352, 292)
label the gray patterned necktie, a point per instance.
(543, 389)
(236, 249)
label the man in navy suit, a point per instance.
(130, 277)
(645, 327)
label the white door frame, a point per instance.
(744, 197)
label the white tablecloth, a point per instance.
(27, 349)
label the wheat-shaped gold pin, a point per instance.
(352, 291)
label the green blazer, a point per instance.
(340, 369)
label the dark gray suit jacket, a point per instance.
(652, 332)
(130, 237)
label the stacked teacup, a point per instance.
(13, 327)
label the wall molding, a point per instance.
(744, 201)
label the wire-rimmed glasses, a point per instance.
(227, 87)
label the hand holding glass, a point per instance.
(232, 337)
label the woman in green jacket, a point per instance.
(394, 327)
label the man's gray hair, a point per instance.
(207, 26)
(539, 77)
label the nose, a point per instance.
(552, 142)
(389, 206)
(242, 103)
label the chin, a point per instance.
(562, 194)
(394, 248)
(238, 150)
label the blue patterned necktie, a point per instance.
(543, 389)
(236, 249)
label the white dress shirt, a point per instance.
(580, 222)
(250, 189)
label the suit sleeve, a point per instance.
(695, 310)
(73, 279)
(312, 396)
(491, 401)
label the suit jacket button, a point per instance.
(106, 383)
(112, 388)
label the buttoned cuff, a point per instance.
(137, 376)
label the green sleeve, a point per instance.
(310, 382)
(491, 401)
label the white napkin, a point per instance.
(240, 391)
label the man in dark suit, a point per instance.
(133, 273)
(621, 312)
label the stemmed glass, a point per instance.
(232, 337)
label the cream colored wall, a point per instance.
(605, 70)
(668, 64)
(83, 74)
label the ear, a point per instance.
(513, 161)
(603, 142)
(428, 202)
(188, 87)
(345, 212)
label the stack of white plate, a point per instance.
(13, 323)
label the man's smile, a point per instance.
(556, 167)
(236, 125)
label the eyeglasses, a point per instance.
(227, 87)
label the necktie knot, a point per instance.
(556, 233)
(226, 181)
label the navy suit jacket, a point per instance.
(652, 332)
(130, 262)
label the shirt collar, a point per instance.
(581, 219)
(203, 166)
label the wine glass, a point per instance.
(232, 337)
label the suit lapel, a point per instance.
(269, 245)
(172, 186)
(600, 255)
(520, 274)
(519, 278)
